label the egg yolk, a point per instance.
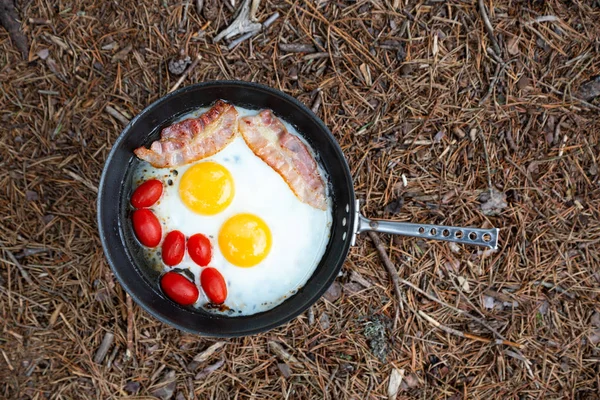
(206, 188)
(245, 240)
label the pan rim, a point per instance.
(313, 294)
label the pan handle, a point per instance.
(472, 236)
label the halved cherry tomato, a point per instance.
(146, 227)
(213, 285)
(179, 289)
(147, 194)
(173, 248)
(199, 249)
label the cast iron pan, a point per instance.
(122, 249)
(141, 281)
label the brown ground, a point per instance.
(405, 93)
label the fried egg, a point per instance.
(265, 242)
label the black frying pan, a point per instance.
(141, 282)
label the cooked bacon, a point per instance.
(266, 135)
(192, 139)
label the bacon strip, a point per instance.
(266, 135)
(192, 139)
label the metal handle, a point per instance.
(472, 236)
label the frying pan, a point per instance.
(139, 279)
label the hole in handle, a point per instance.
(487, 237)
(446, 232)
(421, 230)
(473, 236)
(458, 234)
(433, 232)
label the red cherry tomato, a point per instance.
(173, 248)
(179, 289)
(213, 285)
(147, 194)
(146, 227)
(199, 249)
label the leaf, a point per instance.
(464, 284)
(493, 202)
(210, 369)
(513, 45)
(122, 55)
(324, 321)
(366, 72)
(334, 292)
(396, 377)
(166, 387)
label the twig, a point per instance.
(130, 350)
(281, 352)
(391, 269)
(488, 27)
(487, 161)
(78, 178)
(104, 346)
(243, 23)
(249, 35)
(543, 18)
(186, 73)
(311, 316)
(206, 354)
(317, 102)
(30, 252)
(120, 117)
(184, 16)
(24, 273)
(499, 68)
(466, 335)
(297, 48)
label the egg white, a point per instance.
(300, 233)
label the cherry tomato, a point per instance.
(199, 249)
(147, 194)
(173, 248)
(146, 227)
(179, 289)
(213, 285)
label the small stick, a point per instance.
(112, 356)
(391, 269)
(130, 349)
(488, 26)
(186, 73)
(184, 16)
(104, 346)
(249, 35)
(78, 178)
(311, 316)
(120, 117)
(466, 335)
(30, 252)
(297, 48)
(24, 273)
(317, 102)
(499, 69)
